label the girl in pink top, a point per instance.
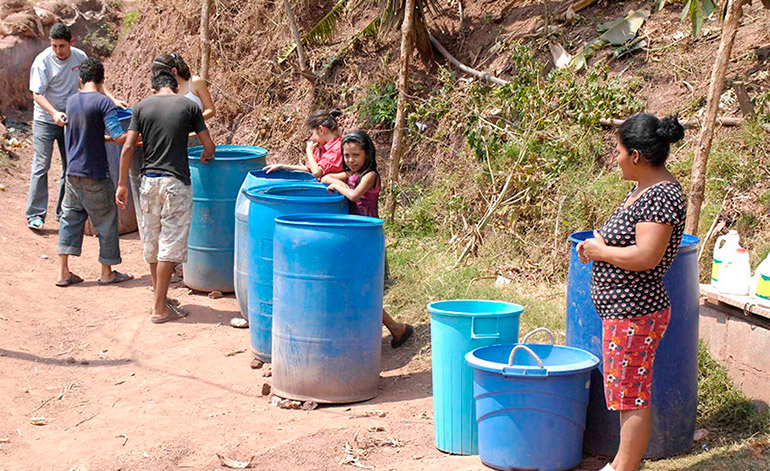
(324, 148)
(360, 183)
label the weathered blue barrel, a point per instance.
(266, 203)
(675, 372)
(328, 286)
(215, 187)
(253, 178)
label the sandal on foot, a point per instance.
(72, 280)
(117, 277)
(174, 314)
(35, 224)
(404, 337)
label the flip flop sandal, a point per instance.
(176, 314)
(404, 337)
(118, 278)
(35, 224)
(72, 280)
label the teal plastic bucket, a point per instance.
(458, 327)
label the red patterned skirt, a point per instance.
(629, 347)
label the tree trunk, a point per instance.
(298, 41)
(407, 30)
(205, 39)
(716, 85)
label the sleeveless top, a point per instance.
(367, 204)
(621, 294)
(192, 96)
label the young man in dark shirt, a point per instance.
(88, 187)
(164, 121)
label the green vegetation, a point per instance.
(378, 106)
(102, 41)
(129, 19)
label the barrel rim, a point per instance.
(261, 193)
(589, 363)
(328, 220)
(246, 153)
(689, 241)
(262, 173)
(515, 310)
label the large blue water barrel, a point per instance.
(531, 405)
(675, 372)
(457, 327)
(266, 203)
(327, 331)
(253, 178)
(215, 187)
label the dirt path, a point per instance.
(119, 393)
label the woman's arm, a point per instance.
(201, 89)
(651, 242)
(366, 184)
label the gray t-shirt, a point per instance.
(54, 79)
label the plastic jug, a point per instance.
(724, 249)
(735, 275)
(760, 283)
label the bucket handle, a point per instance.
(495, 335)
(538, 330)
(511, 370)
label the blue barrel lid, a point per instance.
(229, 152)
(294, 192)
(474, 308)
(688, 240)
(556, 360)
(328, 220)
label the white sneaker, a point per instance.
(607, 467)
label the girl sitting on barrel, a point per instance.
(360, 184)
(323, 151)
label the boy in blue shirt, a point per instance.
(88, 187)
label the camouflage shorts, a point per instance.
(166, 205)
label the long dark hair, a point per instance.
(170, 61)
(324, 118)
(650, 136)
(362, 139)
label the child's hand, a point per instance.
(332, 186)
(272, 167)
(311, 147)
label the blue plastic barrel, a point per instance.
(215, 185)
(457, 327)
(675, 372)
(531, 405)
(266, 203)
(328, 280)
(127, 218)
(253, 178)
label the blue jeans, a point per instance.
(94, 197)
(37, 200)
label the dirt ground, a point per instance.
(119, 393)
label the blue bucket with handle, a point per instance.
(531, 403)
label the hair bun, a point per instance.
(670, 129)
(335, 113)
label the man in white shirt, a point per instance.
(53, 79)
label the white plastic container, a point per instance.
(735, 275)
(760, 283)
(724, 250)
